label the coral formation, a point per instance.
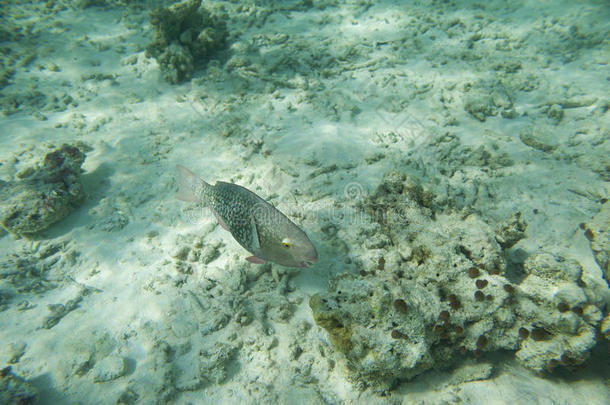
(44, 194)
(429, 267)
(185, 36)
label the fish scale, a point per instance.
(234, 204)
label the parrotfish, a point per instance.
(255, 224)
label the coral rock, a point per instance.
(185, 37)
(511, 231)
(110, 368)
(45, 195)
(357, 312)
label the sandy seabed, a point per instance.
(136, 297)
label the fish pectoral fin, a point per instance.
(256, 242)
(255, 260)
(220, 221)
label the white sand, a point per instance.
(396, 78)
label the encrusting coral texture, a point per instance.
(439, 292)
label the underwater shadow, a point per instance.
(46, 394)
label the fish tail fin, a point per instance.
(190, 185)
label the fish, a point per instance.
(256, 225)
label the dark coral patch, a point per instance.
(482, 342)
(589, 234)
(524, 333)
(563, 307)
(539, 334)
(398, 335)
(400, 305)
(454, 302)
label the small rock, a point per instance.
(15, 351)
(209, 253)
(213, 362)
(81, 363)
(511, 231)
(480, 107)
(538, 138)
(110, 368)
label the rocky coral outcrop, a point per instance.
(437, 292)
(185, 36)
(45, 194)
(561, 314)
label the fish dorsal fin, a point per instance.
(256, 242)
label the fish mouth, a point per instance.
(309, 257)
(308, 263)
